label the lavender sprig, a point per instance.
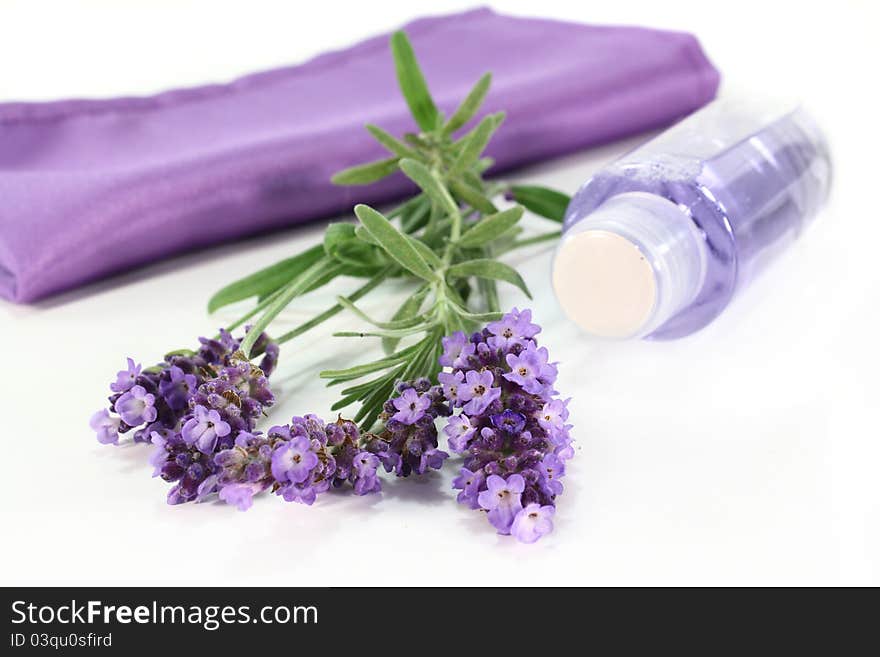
(511, 427)
(190, 406)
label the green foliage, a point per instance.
(543, 201)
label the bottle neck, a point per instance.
(629, 266)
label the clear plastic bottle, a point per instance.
(656, 244)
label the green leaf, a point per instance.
(491, 269)
(489, 290)
(417, 216)
(482, 318)
(430, 184)
(398, 324)
(337, 234)
(360, 257)
(383, 333)
(364, 174)
(371, 405)
(391, 143)
(475, 143)
(425, 251)
(469, 105)
(543, 201)
(345, 401)
(409, 309)
(266, 280)
(364, 235)
(362, 291)
(314, 273)
(491, 227)
(394, 242)
(412, 83)
(368, 368)
(472, 196)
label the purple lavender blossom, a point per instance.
(410, 406)
(509, 421)
(136, 406)
(551, 468)
(459, 432)
(177, 388)
(533, 522)
(510, 426)
(530, 369)
(452, 348)
(106, 427)
(294, 461)
(503, 500)
(239, 495)
(408, 442)
(126, 378)
(190, 406)
(297, 461)
(469, 483)
(174, 382)
(204, 429)
(478, 391)
(184, 466)
(514, 328)
(451, 382)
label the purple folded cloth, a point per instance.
(93, 187)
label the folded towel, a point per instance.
(93, 187)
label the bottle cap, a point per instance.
(629, 266)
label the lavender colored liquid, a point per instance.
(749, 186)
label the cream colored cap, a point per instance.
(604, 283)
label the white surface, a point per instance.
(746, 454)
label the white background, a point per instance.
(745, 454)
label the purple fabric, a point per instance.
(93, 187)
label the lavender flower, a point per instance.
(478, 391)
(533, 522)
(294, 461)
(297, 461)
(240, 495)
(411, 406)
(126, 378)
(514, 328)
(158, 398)
(184, 466)
(136, 406)
(225, 410)
(511, 427)
(106, 427)
(503, 500)
(204, 429)
(408, 442)
(469, 483)
(190, 406)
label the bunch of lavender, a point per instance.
(201, 409)
(511, 428)
(189, 406)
